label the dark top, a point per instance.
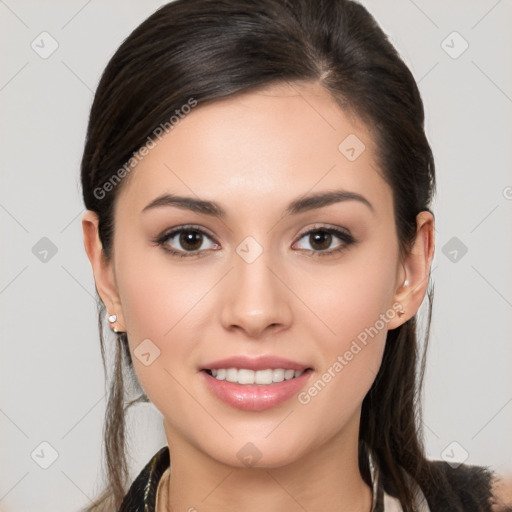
(470, 487)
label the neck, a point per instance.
(327, 479)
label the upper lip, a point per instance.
(256, 363)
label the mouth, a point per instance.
(255, 384)
(265, 377)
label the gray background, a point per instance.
(51, 376)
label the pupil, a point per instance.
(188, 238)
(319, 237)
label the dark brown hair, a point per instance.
(209, 49)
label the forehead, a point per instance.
(272, 143)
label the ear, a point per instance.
(413, 278)
(103, 269)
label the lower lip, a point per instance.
(255, 397)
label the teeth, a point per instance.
(263, 377)
(278, 375)
(232, 375)
(245, 376)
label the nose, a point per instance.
(256, 299)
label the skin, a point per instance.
(254, 153)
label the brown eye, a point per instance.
(191, 240)
(320, 240)
(186, 241)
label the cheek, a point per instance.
(161, 303)
(350, 355)
(349, 297)
(158, 297)
(163, 307)
(354, 303)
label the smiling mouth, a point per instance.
(263, 377)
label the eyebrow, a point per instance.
(302, 204)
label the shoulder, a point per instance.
(471, 488)
(502, 493)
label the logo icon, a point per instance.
(249, 249)
(249, 454)
(44, 45)
(146, 352)
(351, 147)
(454, 45)
(44, 250)
(44, 455)
(454, 250)
(455, 454)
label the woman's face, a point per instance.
(250, 285)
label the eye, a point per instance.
(320, 240)
(192, 239)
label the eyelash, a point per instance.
(345, 236)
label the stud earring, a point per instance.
(112, 318)
(406, 282)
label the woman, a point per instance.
(258, 187)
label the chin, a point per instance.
(252, 451)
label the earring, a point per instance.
(406, 282)
(401, 313)
(112, 319)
